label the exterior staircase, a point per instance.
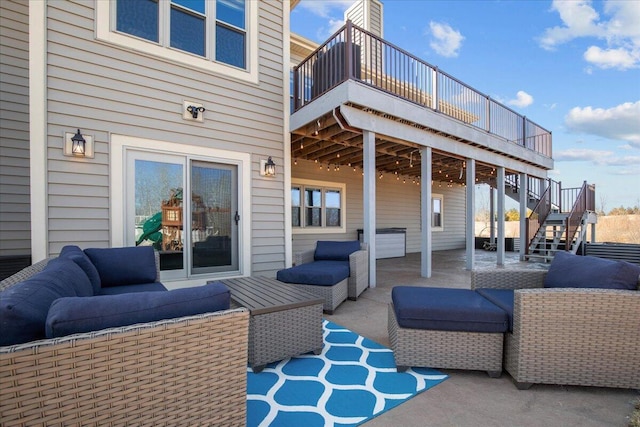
(559, 216)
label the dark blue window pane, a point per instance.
(138, 18)
(187, 32)
(231, 12)
(230, 46)
(196, 5)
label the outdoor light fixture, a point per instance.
(194, 110)
(78, 145)
(267, 167)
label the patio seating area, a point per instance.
(469, 396)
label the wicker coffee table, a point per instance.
(285, 320)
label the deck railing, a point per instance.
(356, 54)
(584, 200)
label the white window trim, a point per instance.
(343, 206)
(117, 159)
(104, 31)
(441, 198)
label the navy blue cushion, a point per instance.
(74, 315)
(76, 254)
(446, 309)
(322, 273)
(336, 251)
(24, 306)
(141, 287)
(503, 298)
(574, 271)
(124, 266)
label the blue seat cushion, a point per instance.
(76, 254)
(124, 266)
(321, 273)
(503, 298)
(24, 306)
(75, 315)
(335, 251)
(141, 287)
(574, 271)
(446, 309)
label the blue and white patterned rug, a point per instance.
(352, 381)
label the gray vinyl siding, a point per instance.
(15, 225)
(105, 89)
(397, 205)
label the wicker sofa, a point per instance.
(568, 335)
(188, 370)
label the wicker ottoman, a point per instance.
(446, 328)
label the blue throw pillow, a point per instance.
(24, 306)
(124, 266)
(75, 254)
(335, 251)
(75, 315)
(574, 271)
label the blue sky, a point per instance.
(572, 66)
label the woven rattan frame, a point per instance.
(186, 371)
(333, 295)
(280, 334)
(445, 349)
(568, 336)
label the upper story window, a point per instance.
(220, 35)
(317, 207)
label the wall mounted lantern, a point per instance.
(267, 167)
(78, 145)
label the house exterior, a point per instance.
(126, 83)
(180, 113)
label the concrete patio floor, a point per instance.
(471, 398)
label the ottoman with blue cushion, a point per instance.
(446, 328)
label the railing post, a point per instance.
(348, 53)
(488, 121)
(524, 131)
(436, 88)
(296, 90)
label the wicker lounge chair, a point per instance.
(181, 371)
(569, 336)
(359, 270)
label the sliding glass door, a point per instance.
(187, 209)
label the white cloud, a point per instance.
(581, 154)
(445, 40)
(619, 123)
(618, 30)
(523, 99)
(610, 58)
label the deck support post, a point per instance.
(470, 213)
(425, 201)
(369, 199)
(524, 196)
(500, 244)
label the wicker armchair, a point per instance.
(358, 267)
(183, 371)
(568, 336)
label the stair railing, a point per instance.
(538, 215)
(584, 201)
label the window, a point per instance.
(436, 212)
(220, 35)
(317, 207)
